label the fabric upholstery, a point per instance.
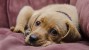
(73, 2)
(3, 14)
(83, 10)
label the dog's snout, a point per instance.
(33, 38)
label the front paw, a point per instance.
(17, 29)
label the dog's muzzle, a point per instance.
(33, 38)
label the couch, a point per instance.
(9, 10)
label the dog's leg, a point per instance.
(22, 19)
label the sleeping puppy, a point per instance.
(56, 23)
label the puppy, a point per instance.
(51, 24)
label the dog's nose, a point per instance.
(33, 38)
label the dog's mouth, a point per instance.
(37, 43)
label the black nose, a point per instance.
(33, 38)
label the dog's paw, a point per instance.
(17, 29)
(12, 28)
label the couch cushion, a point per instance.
(73, 2)
(14, 7)
(3, 14)
(83, 10)
(37, 4)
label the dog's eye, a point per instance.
(38, 23)
(53, 32)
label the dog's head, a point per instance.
(43, 27)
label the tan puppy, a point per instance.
(51, 24)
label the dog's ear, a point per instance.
(72, 33)
(23, 17)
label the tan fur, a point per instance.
(49, 18)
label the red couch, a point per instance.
(15, 41)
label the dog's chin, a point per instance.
(36, 43)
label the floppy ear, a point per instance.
(22, 18)
(72, 33)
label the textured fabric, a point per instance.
(13, 8)
(83, 10)
(73, 2)
(37, 4)
(3, 16)
(15, 41)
